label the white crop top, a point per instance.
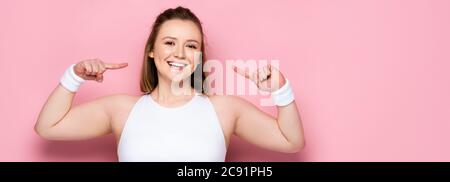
(188, 133)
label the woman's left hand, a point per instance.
(267, 78)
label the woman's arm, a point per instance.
(58, 121)
(284, 133)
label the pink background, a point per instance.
(371, 78)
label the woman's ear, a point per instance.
(150, 54)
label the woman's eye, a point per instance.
(192, 46)
(169, 43)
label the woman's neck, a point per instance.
(167, 92)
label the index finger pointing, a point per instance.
(242, 72)
(115, 66)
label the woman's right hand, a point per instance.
(59, 121)
(93, 69)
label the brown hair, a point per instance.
(149, 74)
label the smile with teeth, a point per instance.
(176, 66)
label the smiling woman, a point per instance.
(161, 125)
(166, 40)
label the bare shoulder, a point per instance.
(229, 103)
(120, 98)
(228, 100)
(119, 108)
(118, 102)
(222, 98)
(227, 109)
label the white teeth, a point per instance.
(177, 64)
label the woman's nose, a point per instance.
(179, 52)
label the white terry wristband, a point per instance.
(284, 95)
(70, 80)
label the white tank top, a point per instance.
(188, 133)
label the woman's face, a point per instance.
(177, 49)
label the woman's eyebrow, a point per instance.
(169, 37)
(190, 40)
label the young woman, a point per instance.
(161, 124)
